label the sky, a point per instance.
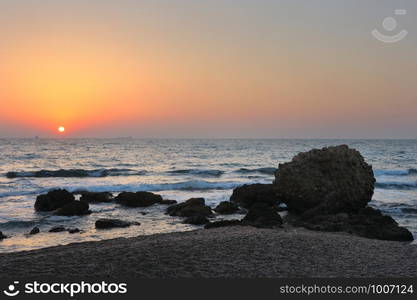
(211, 69)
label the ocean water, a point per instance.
(176, 169)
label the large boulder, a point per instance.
(111, 223)
(74, 208)
(189, 208)
(249, 194)
(262, 215)
(226, 208)
(138, 199)
(368, 222)
(53, 200)
(96, 197)
(332, 180)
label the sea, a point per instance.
(175, 168)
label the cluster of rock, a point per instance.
(62, 202)
(60, 228)
(323, 189)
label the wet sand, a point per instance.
(232, 252)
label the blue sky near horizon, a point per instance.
(221, 68)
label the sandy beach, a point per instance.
(231, 252)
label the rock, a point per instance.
(74, 208)
(168, 202)
(73, 230)
(53, 200)
(368, 222)
(2, 236)
(195, 201)
(262, 215)
(57, 229)
(35, 230)
(111, 223)
(144, 213)
(189, 208)
(138, 199)
(196, 220)
(249, 194)
(223, 223)
(332, 180)
(94, 197)
(226, 208)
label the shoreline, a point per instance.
(229, 252)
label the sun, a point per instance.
(61, 129)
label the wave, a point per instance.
(396, 185)
(75, 173)
(192, 185)
(213, 173)
(14, 224)
(154, 187)
(395, 172)
(268, 171)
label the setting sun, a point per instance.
(61, 129)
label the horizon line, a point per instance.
(203, 138)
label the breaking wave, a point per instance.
(268, 171)
(395, 172)
(396, 185)
(75, 173)
(211, 173)
(192, 185)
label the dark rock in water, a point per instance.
(2, 236)
(57, 229)
(144, 213)
(262, 215)
(368, 222)
(334, 179)
(168, 202)
(189, 208)
(223, 223)
(196, 220)
(73, 230)
(53, 200)
(35, 230)
(249, 194)
(96, 197)
(226, 208)
(138, 199)
(111, 223)
(74, 208)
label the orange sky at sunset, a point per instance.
(182, 69)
